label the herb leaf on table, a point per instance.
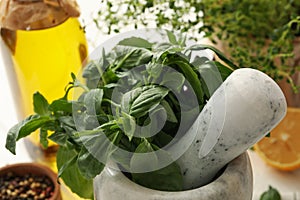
(271, 194)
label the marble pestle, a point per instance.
(246, 107)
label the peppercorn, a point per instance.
(28, 186)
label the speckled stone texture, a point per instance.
(247, 106)
(235, 183)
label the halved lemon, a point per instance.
(282, 149)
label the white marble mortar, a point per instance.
(235, 183)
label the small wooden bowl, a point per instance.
(21, 169)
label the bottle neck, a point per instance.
(36, 14)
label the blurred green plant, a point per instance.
(118, 15)
(258, 33)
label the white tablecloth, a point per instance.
(288, 183)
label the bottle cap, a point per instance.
(36, 14)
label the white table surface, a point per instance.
(288, 183)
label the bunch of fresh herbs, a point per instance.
(145, 76)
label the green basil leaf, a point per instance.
(98, 143)
(181, 38)
(271, 194)
(216, 51)
(89, 122)
(172, 37)
(162, 139)
(224, 70)
(136, 42)
(92, 74)
(170, 113)
(67, 121)
(198, 61)
(11, 139)
(154, 69)
(168, 178)
(173, 80)
(163, 49)
(24, 128)
(138, 102)
(147, 100)
(144, 147)
(94, 166)
(153, 123)
(69, 160)
(92, 101)
(128, 125)
(191, 77)
(128, 98)
(211, 77)
(40, 104)
(59, 138)
(91, 70)
(127, 57)
(52, 125)
(69, 172)
(109, 77)
(61, 105)
(31, 124)
(140, 162)
(44, 137)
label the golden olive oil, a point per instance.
(43, 61)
